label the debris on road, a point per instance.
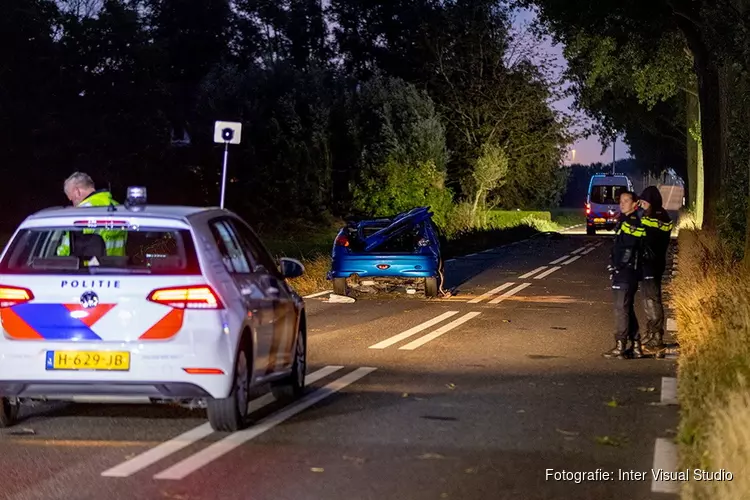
(339, 299)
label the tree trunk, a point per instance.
(714, 143)
(695, 193)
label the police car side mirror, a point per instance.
(291, 268)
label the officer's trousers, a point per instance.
(653, 308)
(626, 322)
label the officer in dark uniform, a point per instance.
(658, 226)
(625, 269)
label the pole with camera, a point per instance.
(226, 133)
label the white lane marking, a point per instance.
(509, 293)
(588, 251)
(669, 391)
(412, 331)
(570, 261)
(229, 443)
(671, 325)
(471, 255)
(319, 294)
(440, 331)
(150, 457)
(557, 261)
(490, 293)
(577, 250)
(548, 272)
(532, 273)
(599, 244)
(665, 458)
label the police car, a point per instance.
(193, 311)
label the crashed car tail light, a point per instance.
(12, 295)
(342, 241)
(187, 297)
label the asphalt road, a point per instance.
(473, 396)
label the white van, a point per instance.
(603, 200)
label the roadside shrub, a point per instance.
(712, 300)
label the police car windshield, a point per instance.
(606, 195)
(153, 251)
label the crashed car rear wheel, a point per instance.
(339, 286)
(431, 288)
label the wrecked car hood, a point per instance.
(398, 225)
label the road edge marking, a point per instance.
(413, 331)
(220, 448)
(665, 458)
(440, 331)
(172, 446)
(669, 391)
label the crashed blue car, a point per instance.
(406, 245)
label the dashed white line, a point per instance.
(578, 250)
(229, 443)
(413, 331)
(490, 293)
(184, 440)
(532, 273)
(557, 261)
(570, 261)
(509, 293)
(548, 272)
(319, 294)
(588, 251)
(440, 331)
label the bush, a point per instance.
(712, 298)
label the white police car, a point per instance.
(196, 311)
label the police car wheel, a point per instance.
(8, 412)
(293, 386)
(590, 230)
(230, 414)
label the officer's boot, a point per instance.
(637, 349)
(618, 352)
(655, 346)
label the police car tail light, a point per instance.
(187, 297)
(12, 295)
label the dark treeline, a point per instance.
(347, 106)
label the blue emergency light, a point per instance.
(135, 198)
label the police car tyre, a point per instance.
(339, 286)
(8, 412)
(230, 414)
(293, 386)
(431, 287)
(590, 230)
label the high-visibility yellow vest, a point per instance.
(114, 239)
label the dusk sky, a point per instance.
(586, 150)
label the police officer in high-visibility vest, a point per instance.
(625, 272)
(658, 226)
(81, 191)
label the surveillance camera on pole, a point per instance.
(226, 133)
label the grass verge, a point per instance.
(711, 295)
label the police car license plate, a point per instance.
(88, 360)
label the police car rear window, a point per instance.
(154, 251)
(606, 195)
